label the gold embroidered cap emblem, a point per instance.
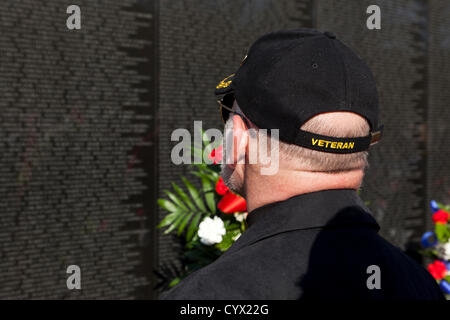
(224, 83)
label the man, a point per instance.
(310, 235)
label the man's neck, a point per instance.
(261, 190)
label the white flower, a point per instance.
(211, 231)
(444, 250)
(240, 216)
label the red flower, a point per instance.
(437, 269)
(221, 188)
(231, 203)
(216, 155)
(440, 216)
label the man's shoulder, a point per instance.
(299, 264)
(248, 272)
(215, 281)
(358, 254)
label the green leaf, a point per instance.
(176, 200)
(168, 219)
(200, 174)
(193, 226)
(194, 194)
(168, 205)
(183, 196)
(207, 140)
(442, 232)
(204, 174)
(174, 282)
(174, 224)
(184, 223)
(233, 226)
(443, 207)
(205, 170)
(209, 195)
(227, 240)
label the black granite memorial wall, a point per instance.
(87, 115)
(397, 54)
(78, 149)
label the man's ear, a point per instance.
(240, 140)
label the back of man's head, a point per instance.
(319, 97)
(332, 124)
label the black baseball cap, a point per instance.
(289, 76)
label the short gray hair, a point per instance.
(312, 160)
(300, 158)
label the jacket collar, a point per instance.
(326, 208)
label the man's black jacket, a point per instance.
(312, 246)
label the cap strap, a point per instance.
(337, 145)
(376, 135)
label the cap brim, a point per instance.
(225, 86)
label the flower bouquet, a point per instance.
(437, 246)
(207, 220)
